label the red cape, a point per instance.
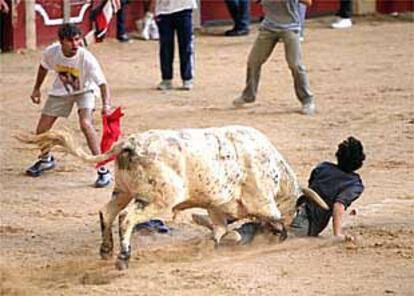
(111, 130)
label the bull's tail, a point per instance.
(48, 140)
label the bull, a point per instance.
(233, 172)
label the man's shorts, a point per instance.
(61, 106)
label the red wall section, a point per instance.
(211, 10)
(322, 7)
(48, 33)
(14, 34)
(388, 6)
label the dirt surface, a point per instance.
(363, 81)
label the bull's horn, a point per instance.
(309, 193)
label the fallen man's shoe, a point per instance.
(153, 225)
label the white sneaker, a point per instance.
(165, 85)
(240, 102)
(187, 85)
(309, 108)
(104, 177)
(342, 23)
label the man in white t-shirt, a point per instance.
(77, 74)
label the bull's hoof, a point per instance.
(216, 244)
(283, 235)
(121, 264)
(106, 253)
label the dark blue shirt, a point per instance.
(333, 185)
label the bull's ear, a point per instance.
(312, 195)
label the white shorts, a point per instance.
(61, 106)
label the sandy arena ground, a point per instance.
(363, 81)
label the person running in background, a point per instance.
(121, 34)
(281, 23)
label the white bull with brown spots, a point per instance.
(233, 172)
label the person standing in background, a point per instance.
(280, 24)
(344, 15)
(4, 9)
(240, 13)
(121, 34)
(175, 17)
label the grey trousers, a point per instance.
(262, 48)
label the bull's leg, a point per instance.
(270, 214)
(219, 225)
(138, 212)
(107, 216)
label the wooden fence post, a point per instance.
(66, 11)
(30, 26)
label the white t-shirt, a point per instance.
(171, 6)
(74, 75)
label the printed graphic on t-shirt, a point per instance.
(69, 77)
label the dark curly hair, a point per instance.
(68, 31)
(350, 155)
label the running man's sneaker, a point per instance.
(104, 177)
(41, 166)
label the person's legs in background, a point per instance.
(260, 52)
(344, 15)
(166, 27)
(293, 55)
(302, 16)
(121, 34)
(240, 13)
(183, 24)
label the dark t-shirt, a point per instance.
(333, 185)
